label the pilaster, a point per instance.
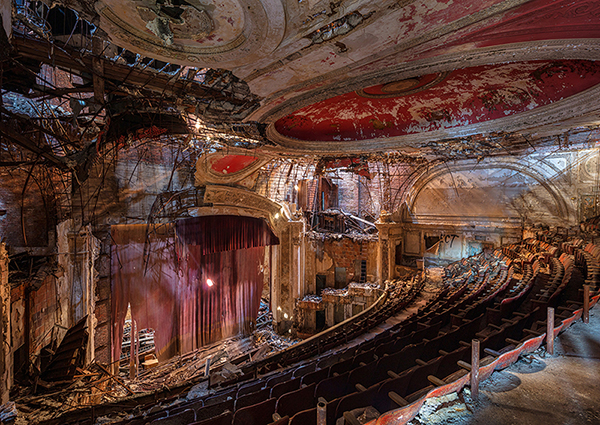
(6, 365)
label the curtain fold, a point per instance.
(150, 287)
(167, 288)
(219, 233)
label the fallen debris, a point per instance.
(8, 411)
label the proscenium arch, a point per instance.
(528, 169)
(221, 199)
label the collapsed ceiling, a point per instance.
(436, 79)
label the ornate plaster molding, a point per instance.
(540, 50)
(531, 169)
(238, 201)
(206, 174)
(219, 40)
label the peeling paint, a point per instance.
(464, 97)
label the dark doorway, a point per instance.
(320, 319)
(398, 254)
(321, 283)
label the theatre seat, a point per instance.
(182, 418)
(257, 414)
(305, 417)
(223, 419)
(296, 401)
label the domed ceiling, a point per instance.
(440, 101)
(329, 77)
(225, 33)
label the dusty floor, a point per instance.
(537, 390)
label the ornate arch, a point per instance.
(541, 171)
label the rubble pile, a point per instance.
(335, 292)
(271, 338)
(96, 385)
(364, 285)
(312, 298)
(352, 235)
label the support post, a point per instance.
(322, 411)
(132, 353)
(98, 68)
(207, 367)
(6, 366)
(550, 332)
(586, 303)
(475, 369)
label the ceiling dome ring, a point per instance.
(297, 97)
(551, 113)
(229, 34)
(575, 105)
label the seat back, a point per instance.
(296, 401)
(285, 387)
(213, 410)
(253, 398)
(257, 414)
(224, 418)
(315, 377)
(334, 387)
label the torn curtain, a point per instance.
(167, 288)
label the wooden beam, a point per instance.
(98, 68)
(74, 61)
(28, 144)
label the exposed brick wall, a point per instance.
(35, 221)
(345, 252)
(42, 315)
(357, 195)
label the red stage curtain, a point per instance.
(219, 233)
(151, 289)
(172, 296)
(228, 250)
(211, 313)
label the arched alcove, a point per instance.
(459, 209)
(492, 193)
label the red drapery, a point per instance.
(217, 233)
(150, 287)
(171, 294)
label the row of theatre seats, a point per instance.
(499, 298)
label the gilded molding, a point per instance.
(299, 96)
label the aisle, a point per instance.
(537, 390)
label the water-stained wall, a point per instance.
(461, 208)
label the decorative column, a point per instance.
(288, 279)
(6, 365)
(91, 249)
(385, 269)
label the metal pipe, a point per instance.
(207, 367)
(586, 303)
(475, 369)
(550, 332)
(322, 411)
